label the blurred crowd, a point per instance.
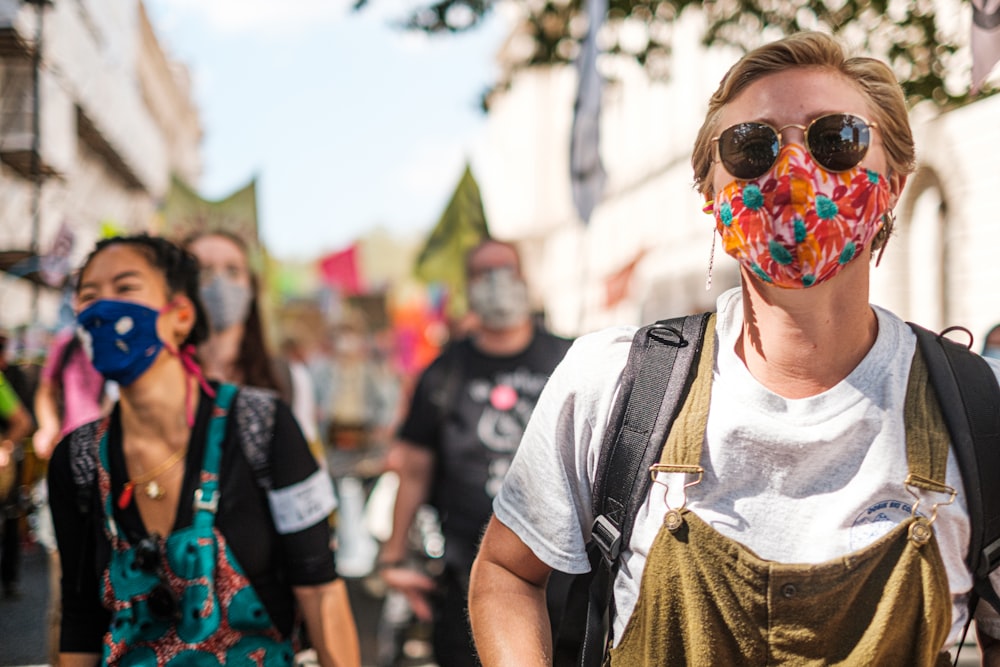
(381, 435)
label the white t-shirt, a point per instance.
(805, 480)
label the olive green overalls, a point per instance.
(705, 599)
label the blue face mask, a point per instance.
(992, 351)
(121, 338)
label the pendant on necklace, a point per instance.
(154, 491)
(126, 497)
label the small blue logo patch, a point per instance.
(878, 519)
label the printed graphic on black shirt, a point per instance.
(507, 401)
(476, 429)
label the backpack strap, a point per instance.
(970, 400)
(83, 443)
(254, 410)
(657, 376)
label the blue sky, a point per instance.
(347, 122)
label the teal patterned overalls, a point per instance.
(185, 600)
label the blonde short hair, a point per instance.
(813, 49)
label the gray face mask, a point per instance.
(226, 302)
(500, 299)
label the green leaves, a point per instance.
(926, 48)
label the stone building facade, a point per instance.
(115, 119)
(649, 240)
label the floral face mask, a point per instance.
(798, 224)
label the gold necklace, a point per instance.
(148, 481)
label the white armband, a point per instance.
(303, 504)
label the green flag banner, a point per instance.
(186, 213)
(461, 227)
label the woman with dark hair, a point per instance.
(176, 551)
(236, 348)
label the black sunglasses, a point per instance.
(161, 601)
(837, 142)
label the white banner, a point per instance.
(985, 40)
(587, 175)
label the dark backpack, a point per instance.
(657, 377)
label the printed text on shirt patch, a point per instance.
(302, 505)
(876, 520)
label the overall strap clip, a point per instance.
(210, 505)
(607, 537)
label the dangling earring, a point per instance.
(888, 222)
(709, 209)
(711, 263)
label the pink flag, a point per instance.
(985, 39)
(340, 270)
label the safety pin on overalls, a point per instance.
(672, 519)
(920, 530)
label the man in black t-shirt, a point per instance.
(465, 422)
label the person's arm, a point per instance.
(330, 623)
(49, 421)
(84, 620)
(415, 467)
(19, 421)
(20, 424)
(507, 575)
(300, 501)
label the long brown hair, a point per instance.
(254, 359)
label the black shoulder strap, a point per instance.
(83, 444)
(657, 376)
(254, 409)
(967, 390)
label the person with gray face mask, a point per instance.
(236, 350)
(464, 423)
(226, 300)
(499, 297)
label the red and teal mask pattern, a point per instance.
(798, 224)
